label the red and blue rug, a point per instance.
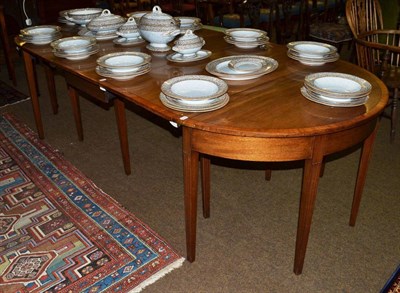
(60, 232)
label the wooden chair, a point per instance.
(6, 47)
(378, 49)
(326, 23)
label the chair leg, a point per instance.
(394, 113)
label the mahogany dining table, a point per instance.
(266, 120)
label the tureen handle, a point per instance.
(157, 9)
(105, 12)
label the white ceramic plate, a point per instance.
(337, 84)
(123, 61)
(245, 34)
(194, 87)
(310, 49)
(247, 44)
(200, 55)
(74, 44)
(221, 67)
(331, 101)
(222, 101)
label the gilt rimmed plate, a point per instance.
(247, 44)
(77, 55)
(178, 57)
(123, 60)
(312, 49)
(337, 84)
(222, 101)
(123, 76)
(245, 34)
(74, 44)
(327, 101)
(222, 67)
(313, 61)
(122, 41)
(40, 30)
(194, 87)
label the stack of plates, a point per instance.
(41, 34)
(336, 89)
(241, 67)
(75, 48)
(194, 93)
(123, 65)
(246, 38)
(312, 53)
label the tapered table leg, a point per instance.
(51, 85)
(76, 109)
(311, 175)
(190, 173)
(31, 78)
(205, 185)
(120, 116)
(366, 153)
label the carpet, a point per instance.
(393, 284)
(60, 233)
(9, 95)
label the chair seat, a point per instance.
(331, 32)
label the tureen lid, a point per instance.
(157, 14)
(105, 19)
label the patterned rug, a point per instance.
(9, 95)
(60, 232)
(393, 284)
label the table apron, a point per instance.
(277, 149)
(87, 87)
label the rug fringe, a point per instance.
(178, 263)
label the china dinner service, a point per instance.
(241, 67)
(312, 53)
(194, 93)
(75, 48)
(246, 38)
(336, 89)
(123, 65)
(41, 34)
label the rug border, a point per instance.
(395, 275)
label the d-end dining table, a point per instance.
(266, 120)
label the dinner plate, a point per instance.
(123, 61)
(221, 67)
(313, 61)
(79, 55)
(178, 57)
(332, 102)
(245, 34)
(128, 42)
(337, 84)
(194, 87)
(311, 49)
(223, 100)
(247, 44)
(74, 44)
(121, 76)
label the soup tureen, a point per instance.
(159, 29)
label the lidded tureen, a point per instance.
(189, 44)
(106, 22)
(159, 29)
